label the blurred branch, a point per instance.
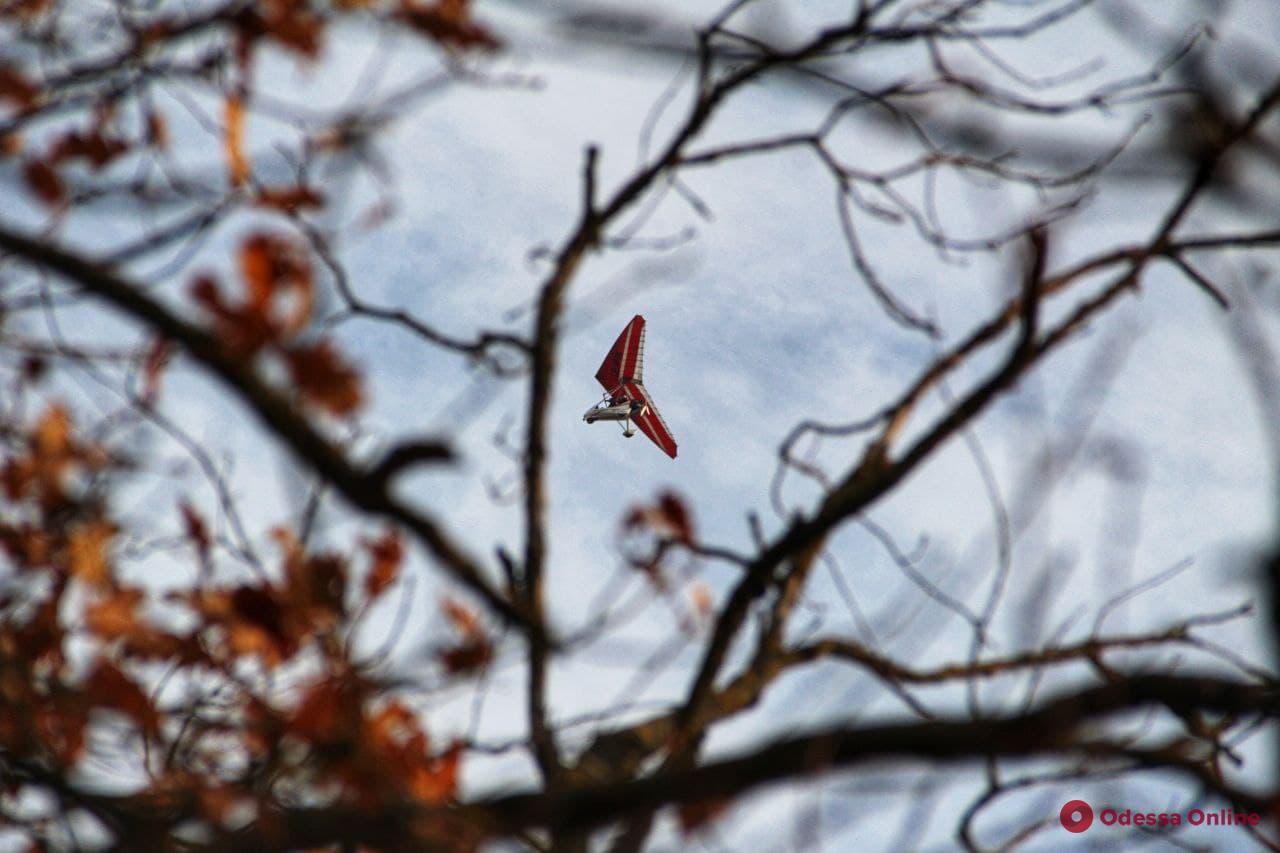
(1052, 729)
(359, 487)
(485, 348)
(1059, 727)
(546, 341)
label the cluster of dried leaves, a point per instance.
(275, 307)
(298, 27)
(209, 702)
(181, 691)
(207, 689)
(651, 530)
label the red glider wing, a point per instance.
(650, 423)
(625, 361)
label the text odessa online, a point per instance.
(1194, 817)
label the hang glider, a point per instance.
(626, 399)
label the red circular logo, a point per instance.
(1076, 816)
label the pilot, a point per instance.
(637, 407)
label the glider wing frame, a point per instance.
(625, 361)
(650, 421)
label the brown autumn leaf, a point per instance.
(474, 651)
(293, 25)
(114, 615)
(651, 530)
(669, 518)
(244, 640)
(247, 620)
(28, 545)
(233, 140)
(394, 730)
(41, 472)
(278, 296)
(40, 638)
(108, 686)
(313, 597)
(17, 89)
(274, 266)
(386, 552)
(60, 727)
(323, 378)
(436, 780)
(697, 814)
(52, 436)
(259, 607)
(318, 591)
(10, 144)
(702, 600)
(16, 476)
(463, 618)
(197, 531)
(331, 712)
(34, 368)
(95, 147)
(466, 657)
(447, 22)
(114, 618)
(674, 517)
(157, 134)
(27, 9)
(241, 330)
(157, 357)
(43, 180)
(87, 547)
(216, 801)
(396, 746)
(290, 198)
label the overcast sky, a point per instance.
(757, 321)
